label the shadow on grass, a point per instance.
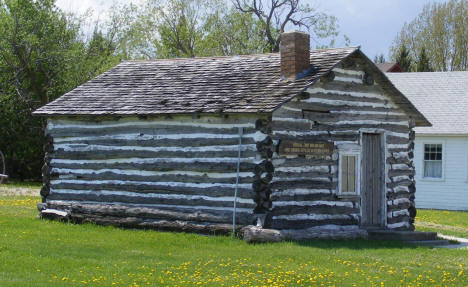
(355, 244)
(352, 244)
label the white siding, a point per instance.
(451, 192)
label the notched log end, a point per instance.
(45, 189)
(41, 206)
(263, 126)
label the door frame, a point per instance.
(383, 145)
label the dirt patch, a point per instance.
(6, 190)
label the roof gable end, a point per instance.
(359, 60)
(389, 88)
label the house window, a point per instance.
(349, 173)
(433, 160)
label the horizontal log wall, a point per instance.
(154, 171)
(304, 190)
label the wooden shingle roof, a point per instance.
(234, 84)
(237, 84)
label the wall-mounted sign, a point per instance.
(310, 148)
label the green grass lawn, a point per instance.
(453, 223)
(22, 184)
(44, 253)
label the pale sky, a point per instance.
(371, 24)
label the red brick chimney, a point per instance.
(295, 54)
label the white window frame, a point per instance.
(350, 150)
(423, 147)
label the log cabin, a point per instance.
(314, 144)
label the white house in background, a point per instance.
(441, 151)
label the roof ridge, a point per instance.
(232, 84)
(231, 56)
(426, 73)
(200, 58)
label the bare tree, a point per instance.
(276, 15)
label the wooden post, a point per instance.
(237, 183)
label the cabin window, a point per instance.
(349, 173)
(433, 157)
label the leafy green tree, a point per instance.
(185, 28)
(20, 137)
(234, 33)
(42, 56)
(173, 28)
(36, 44)
(423, 64)
(180, 30)
(125, 33)
(442, 29)
(403, 59)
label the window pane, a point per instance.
(344, 173)
(433, 169)
(432, 152)
(349, 171)
(352, 173)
